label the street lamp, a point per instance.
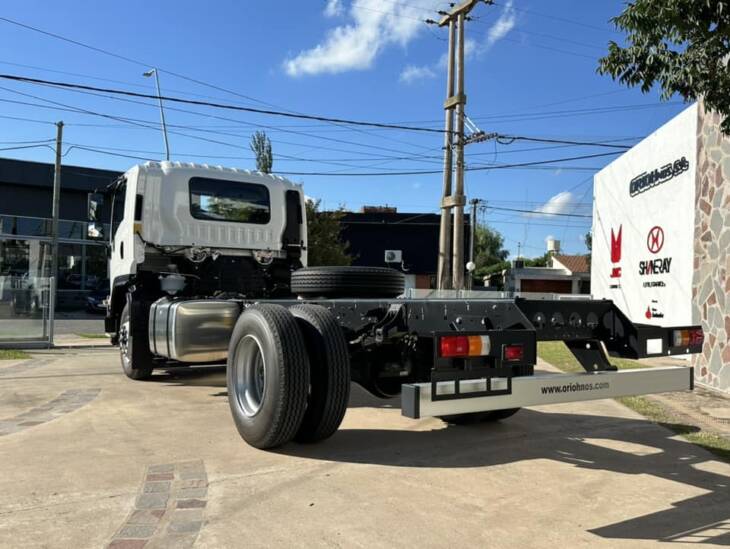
(147, 74)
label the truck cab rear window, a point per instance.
(220, 200)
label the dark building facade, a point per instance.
(26, 196)
(413, 236)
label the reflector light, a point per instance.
(512, 353)
(463, 346)
(686, 338)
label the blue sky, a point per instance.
(531, 71)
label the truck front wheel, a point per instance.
(267, 376)
(133, 346)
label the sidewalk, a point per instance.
(64, 341)
(704, 408)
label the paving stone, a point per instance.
(127, 544)
(152, 501)
(173, 541)
(165, 468)
(193, 474)
(136, 531)
(193, 483)
(190, 493)
(190, 503)
(155, 487)
(160, 476)
(145, 516)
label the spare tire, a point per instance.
(347, 282)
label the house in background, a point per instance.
(564, 274)
(409, 242)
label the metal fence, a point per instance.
(25, 311)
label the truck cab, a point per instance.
(196, 230)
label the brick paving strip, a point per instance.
(168, 511)
(63, 404)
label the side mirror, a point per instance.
(95, 231)
(95, 202)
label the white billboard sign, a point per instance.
(643, 226)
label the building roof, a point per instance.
(40, 174)
(574, 263)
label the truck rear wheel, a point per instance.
(370, 282)
(480, 417)
(329, 371)
(267, 376)
(134, 348)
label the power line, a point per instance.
(538, 212)
(512, 138)
(253, 110)
(472, 169)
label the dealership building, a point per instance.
(661, 234)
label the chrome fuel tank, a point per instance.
(193, 330)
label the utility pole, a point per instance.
(54, 229)
(444, 258)
(453, 199)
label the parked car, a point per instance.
(96, 300)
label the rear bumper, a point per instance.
(417, 401)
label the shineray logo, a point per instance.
(647, 180)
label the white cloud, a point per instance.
(333, 8)
(502, 26)
(561, 203)
(412, 73)
(355, 46)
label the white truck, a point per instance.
(209, 265)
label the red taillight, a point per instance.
(511, 353)
(451, 346)
(696, 337)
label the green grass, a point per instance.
(557, 354)
(93, 336)
(13, 354)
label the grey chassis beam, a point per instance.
(543, 389)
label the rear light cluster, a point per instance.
(461, 346)
(692, 337)
(464, 346)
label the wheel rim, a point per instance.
(250, 376)
(124, 342)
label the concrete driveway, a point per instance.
(89, 458)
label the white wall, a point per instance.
(668, 203)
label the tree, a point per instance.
(681, 45)
(489, 253)
(261, 147)
(324, 242)
(588, 239)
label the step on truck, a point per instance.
(209, 265)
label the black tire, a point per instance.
(480, 417)
(329, 372)
(267, 376)
(134, 350)
(347, 282)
